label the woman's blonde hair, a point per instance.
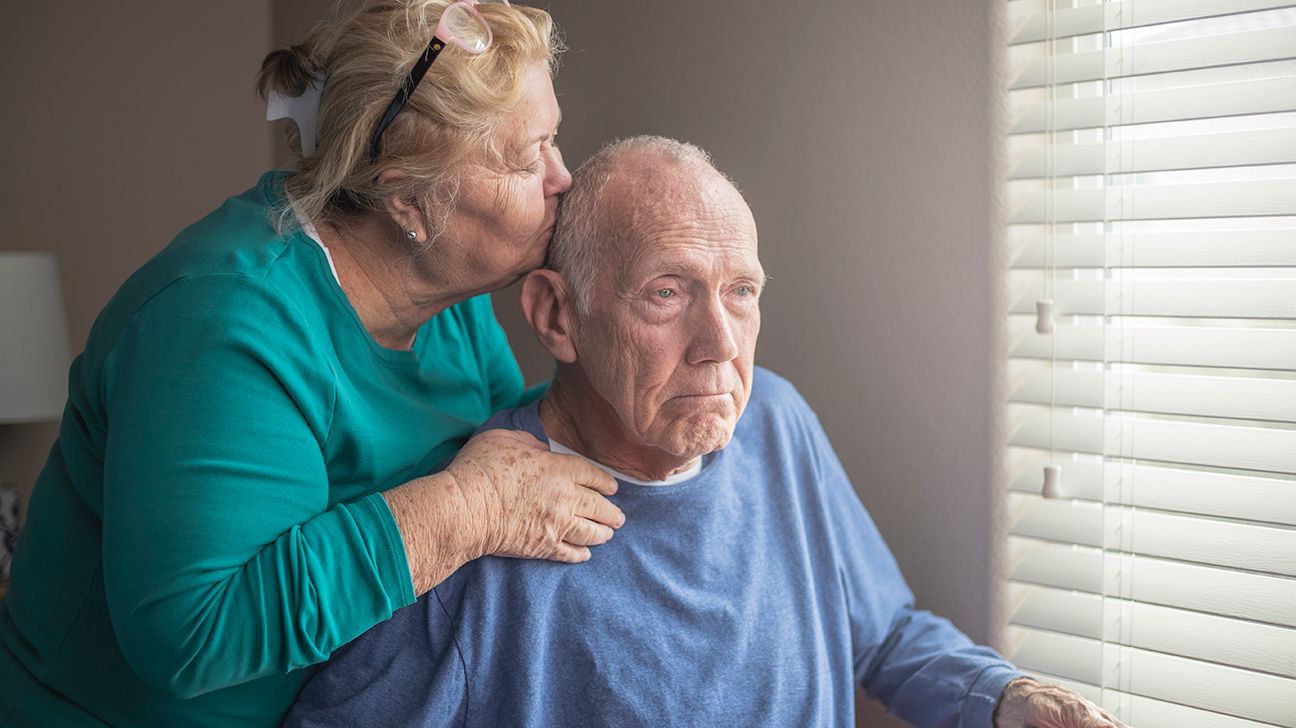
(365, 55)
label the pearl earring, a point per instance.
(411, 235)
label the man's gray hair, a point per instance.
(577, 248)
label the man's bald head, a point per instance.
(625, 186)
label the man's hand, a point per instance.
(1028, 704)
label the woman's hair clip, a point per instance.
(303, 110)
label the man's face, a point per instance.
(674, 314)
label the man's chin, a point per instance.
(700, 436)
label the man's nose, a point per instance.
(713, 338)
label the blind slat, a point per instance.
(1058, 610)
(1252, 46)
(1129, 14)
(1261, 298)
(1137, 710)
(1265, 96)
(1076, 658)
(1148, 438)
(1078, 522)
(1058, 565)
(1207, 493)
(1201, 151)
(1208, 346)
(1245, 595)
(1199, 540)
(1205, 396)
(1158, 202)
(1230, 690)
(1188, 249)
(1232, 642)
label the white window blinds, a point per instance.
(1152, 334)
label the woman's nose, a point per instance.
(559, 178)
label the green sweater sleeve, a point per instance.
(223, 558)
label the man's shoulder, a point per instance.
(777, 414)
(773, 394)
(526, 417)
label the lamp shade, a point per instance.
(33, 339)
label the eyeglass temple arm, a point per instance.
(416, 74)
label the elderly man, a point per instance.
(747, 587)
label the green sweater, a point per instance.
(209, 521)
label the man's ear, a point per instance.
(547, 305)
(404, 212)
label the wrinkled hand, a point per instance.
(1029, 704)
(528, 502)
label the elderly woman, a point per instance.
(236, 490)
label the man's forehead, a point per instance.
(689, 249)
(676, 214)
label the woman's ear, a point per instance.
(404, 212)
(548, 306)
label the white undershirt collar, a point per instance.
(686, 474)
(309, 228)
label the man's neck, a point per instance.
(574, 414)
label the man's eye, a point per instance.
(664, 293)
(744, 290)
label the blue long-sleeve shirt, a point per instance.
(757, 593)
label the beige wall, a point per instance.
(124, 122)
(862, 133)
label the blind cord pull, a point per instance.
(1052, 482)
(1044, 316)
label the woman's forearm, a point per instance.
(435, 518)
(286, 605)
